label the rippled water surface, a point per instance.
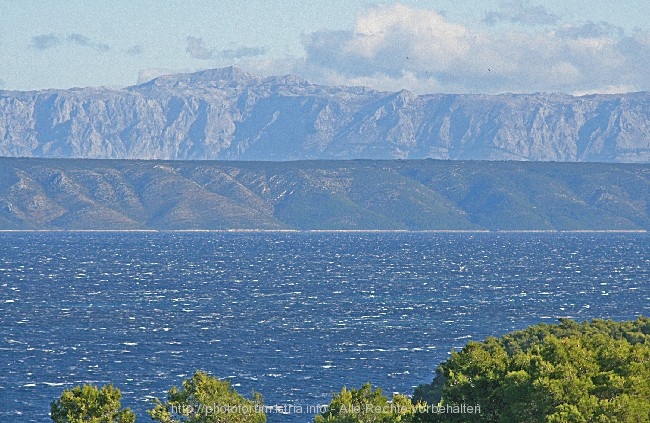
(293, 315)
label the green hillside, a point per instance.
(364, 194)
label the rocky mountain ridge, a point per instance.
(229, 114)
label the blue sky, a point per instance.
(489, 46)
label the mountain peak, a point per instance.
(214, 77)
(229, 74)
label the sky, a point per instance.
(435, 46)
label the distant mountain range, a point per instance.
(232, 115)
(362, 194)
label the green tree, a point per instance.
(597, 371)
(88, 404)
(365, 405)
(206, 399)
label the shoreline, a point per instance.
(471, 231)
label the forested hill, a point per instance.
(365, 194)
(233, 115)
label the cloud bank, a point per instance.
(136, 50)
(83, 41)
(397, 46)
(48, 41)
(45, 41)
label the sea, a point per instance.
(293, 315)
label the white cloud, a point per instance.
(398, 46)
(389, 41)
(198, 50)
(611, 89)
(242, 52)
(521, 12)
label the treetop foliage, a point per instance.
(367, 405)
(89, 404)
(595, 371)
(206, 399)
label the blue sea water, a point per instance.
(294, 316)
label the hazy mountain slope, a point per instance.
(230, 114)
(405, 194)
